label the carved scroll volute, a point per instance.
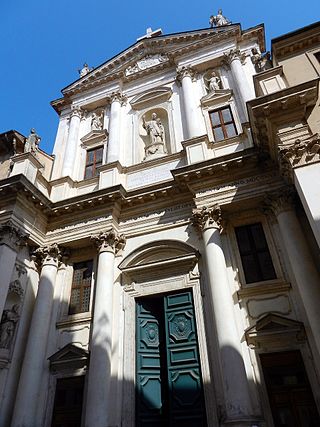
(51, 254)
(109, 241)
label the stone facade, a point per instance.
(167, 157)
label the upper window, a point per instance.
(254, 252)
(317, 55)
(222, 123)
(94, 159)
(81, 287)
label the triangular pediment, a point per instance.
(94, 137)
(69, 357)
(216, 97)
(273, 330)
(152, 54)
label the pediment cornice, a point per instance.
(169, 47)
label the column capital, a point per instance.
(49, 255)
(12, 236)
(207, 217)
(187, 71)
(76, 111)
(109, 241)
(117, 96)
(233, 54)
(280, 201)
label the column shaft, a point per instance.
(7, 261)
(190, 107)
(72, 143)
(113, 153)
(35, 360)
(305, 274)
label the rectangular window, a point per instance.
(68, 400)
(222, 123)
(81, 287)
(254, 252)
(94, 159)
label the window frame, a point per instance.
(93, 164)
(222, 123)
(81, 287)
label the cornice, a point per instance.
(290, 45)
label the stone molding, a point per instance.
(232, 55)
(207, 217)
(146, 62)
(48, 255)
(109, 241)
(187, 71)
(279, 201)
(301, 152)
(16, 288)
(11, 236)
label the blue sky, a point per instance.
(44, 43)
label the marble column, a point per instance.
(72, 142)
(237, 403)
(235, 60)
(11, 239)
(35, 358)
(99, 373)
(185, 75)
(303, 271)
(114, 143)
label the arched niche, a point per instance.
(151, 146)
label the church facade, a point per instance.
(162, 266)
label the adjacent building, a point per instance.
(162, 266)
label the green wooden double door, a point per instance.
(169, 389)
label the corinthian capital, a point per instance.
(118, 97)
(76, 111)
(51, 254)
(279, 201)
(109, 241)
(12, 236)
(232, 55)
(207, 217)
(185, 72)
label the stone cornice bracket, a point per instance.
(207, 217)
(231, 56)
(109, 241)
(49, 255)
(76, 111)
(301, 152)
(12, 236)
(185, 72)
(118, 96)
(280, 201)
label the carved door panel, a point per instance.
(169, 384)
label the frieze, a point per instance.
(147, 62)
(157, 213)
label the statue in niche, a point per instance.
(218, 20)
(96, 121)
(213, 82)
(156, 133)
(261, 62)
(8, 325)
(32, 142)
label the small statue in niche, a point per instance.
(261, 62)
(32, 142)
(156, 133)
(213, 82)
(218, 20)
(8, 325)
(96, 121)
(85, 70)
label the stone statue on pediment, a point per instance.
(156, 133)
(218, 20)
(8, 325)
(85, 70)
(32, 142)
(261, 62)
(97, 121)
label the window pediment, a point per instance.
(94, 137)
(217, 97)
(70, 357)
(153, 97)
